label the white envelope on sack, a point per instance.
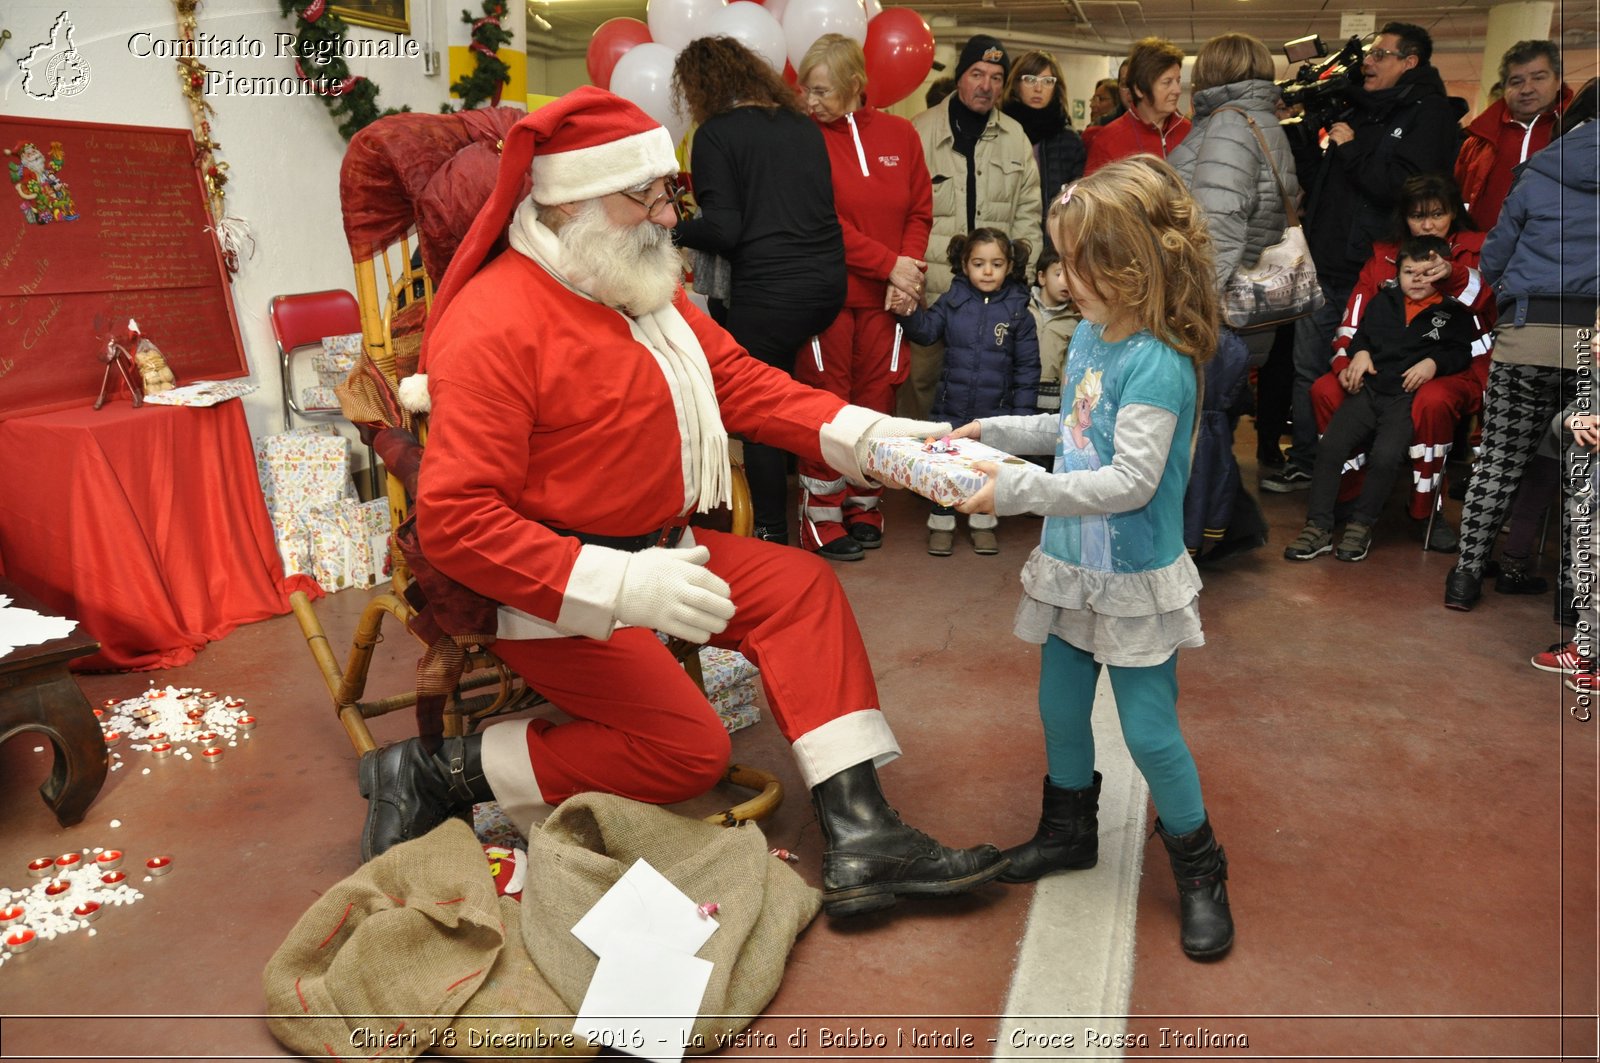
(644, 905)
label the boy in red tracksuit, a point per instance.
(1410, 334)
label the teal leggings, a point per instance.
(1147, 705)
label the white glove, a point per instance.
(895, 427)
(671, 591)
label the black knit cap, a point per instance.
(982, 48)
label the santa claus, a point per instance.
(581, 407)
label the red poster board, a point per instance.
(116, 228)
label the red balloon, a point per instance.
(899, 52)
(611, 41)
(793, 79)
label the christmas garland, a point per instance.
(352, 100)
(233, 235)
(489, 73)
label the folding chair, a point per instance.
(300, 322)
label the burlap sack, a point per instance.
(590, 842)
(415, 951)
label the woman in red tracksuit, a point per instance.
(884, 197)
(1430, 205)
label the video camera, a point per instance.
(1321, 89)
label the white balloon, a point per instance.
(872, 8)
(675, 23)
(644, 75)
(775, 8)
(806, 20)
(751, 25)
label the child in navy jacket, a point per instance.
(1408, 336)
(991, 359)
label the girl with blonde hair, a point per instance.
(1138, 262)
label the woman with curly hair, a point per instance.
(765, 196)
(1036, 96)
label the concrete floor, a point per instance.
(1408, 808)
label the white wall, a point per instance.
(283, 153)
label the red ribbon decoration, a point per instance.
(315, 10)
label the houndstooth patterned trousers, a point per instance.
(1518, 406)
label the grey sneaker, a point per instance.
(1311, 542)
(1354, 543)
(1292, 478)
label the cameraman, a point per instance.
(1398, 123)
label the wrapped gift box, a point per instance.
(294, 543)
(939, 471)
(321, 397)
(731, 686)
(333, 366)
(348, 345)
(348, 543)
(303, 468)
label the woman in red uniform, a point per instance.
(884, 197)
(1152, 124)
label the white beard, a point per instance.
(635, 269)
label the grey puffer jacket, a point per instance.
(1221, 161)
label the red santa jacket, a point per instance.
(1130, 134)
(1465, 285)
(883, 194)
(1495, 144)
(546, 410)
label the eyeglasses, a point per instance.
(1381, 54)
(652, 207)
(1428, 215)
(1044, 80)
(819, 93)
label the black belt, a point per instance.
(632, 544)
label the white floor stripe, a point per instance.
(1075, 969)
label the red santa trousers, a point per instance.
(862, 358)
(1436, 410)
(640, 726)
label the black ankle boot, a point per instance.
(1201, 870)
(410, 791)
(1068, 838)
(871, 858)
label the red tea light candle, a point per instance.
(112, 737)
(10, 915)
(113, 878)
(42, 867)
(21, 939)
(109, 860)
(161, 750)
(57, 888)
(100, 714)
(207, 738)
(89, 910)
(212, 754)
(158, 736)
(233, 703)
(185, 694)
(196, 714)
(246, 723)
(208, 694)
(158, 865)
(110, 703)
(154, 694)
(68, 861)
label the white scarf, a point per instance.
(706, 473)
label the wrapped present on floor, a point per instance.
(349, 543)
(303, 468)
(731, 686)
(321, 397)
(941, 471)
(294, 543)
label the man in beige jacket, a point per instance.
(983, 175)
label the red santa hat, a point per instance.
(585, 144)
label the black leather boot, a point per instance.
(871, 859)
(1068, 838)
(1201, 870)
(411, 791)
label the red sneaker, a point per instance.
(1562, 657)
(1584, 682)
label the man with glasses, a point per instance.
(1511, 128)
(580, 412)
(984, 174)
(1399, 123)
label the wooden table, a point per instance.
(37, 693)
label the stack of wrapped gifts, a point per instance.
(322, 530)
(333, 364)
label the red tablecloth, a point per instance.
(146, 525)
